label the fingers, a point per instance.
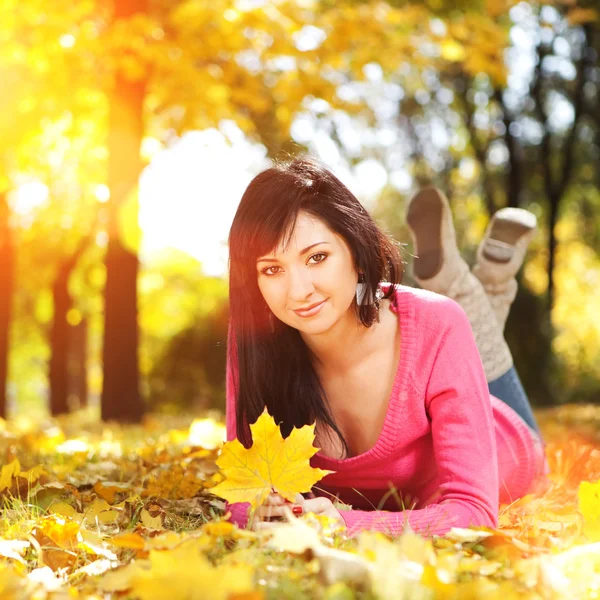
(276, 509)
(274, 499)
(317, 505)
(277, 500)
(269, 511)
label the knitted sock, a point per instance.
(501, 295)
(467, 290)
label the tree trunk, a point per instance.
(61, 333)
(6, 293)
(78, 387)
(121, 398)
(552, 220)
(59, 341)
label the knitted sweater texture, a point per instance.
(448, 452)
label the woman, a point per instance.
(391, 375)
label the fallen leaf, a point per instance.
(129, 539)
(109, 489)
(151, 522)
(154, 579)
(588, 495)
(7, 473)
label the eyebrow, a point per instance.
(303, 251)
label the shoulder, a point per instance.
(428, 309)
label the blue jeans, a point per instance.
(509, 389)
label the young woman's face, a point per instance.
(311, 285)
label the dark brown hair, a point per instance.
(275, 368)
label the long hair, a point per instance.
(275, 368)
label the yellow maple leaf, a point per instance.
(8, 472)
(13, 470)
(154, 579)
(588, 496)
(271, 462)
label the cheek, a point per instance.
(271, 292)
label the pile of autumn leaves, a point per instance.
(89, 511)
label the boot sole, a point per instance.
(507, 231)
(424, 217)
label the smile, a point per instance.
(310, 312)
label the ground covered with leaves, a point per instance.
(95, 511)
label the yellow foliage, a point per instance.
(452, 50)
(576, 306)
(151, 521)
(61, 530)
(270, 463)
(8, 472)
(173, 482)
(85, 538)
(109, 489)
(589, 506)
(129, 539)
(99, 511)
(12, 471)
(155, 579)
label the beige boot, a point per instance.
(438, 260)
(500, 255)
(439, 267)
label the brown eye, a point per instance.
(323, 256)
(266, 270)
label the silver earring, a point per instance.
(361, 292)
(378, 297)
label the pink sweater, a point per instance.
(449, 449)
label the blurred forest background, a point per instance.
(113, 295)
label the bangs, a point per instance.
(270, 236)
(267, 217)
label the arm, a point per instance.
(458, 404)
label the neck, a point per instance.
(347, 343)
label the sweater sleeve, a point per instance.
(458, 405)
(239, 510)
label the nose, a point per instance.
(300, 285)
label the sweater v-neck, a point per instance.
(403, 307)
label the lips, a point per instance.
(310, 310)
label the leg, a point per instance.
(440, 268)
(500, 255)
(509, 389)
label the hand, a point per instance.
(275, 507)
